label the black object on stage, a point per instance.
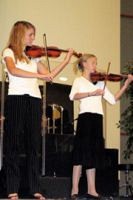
(127, 185)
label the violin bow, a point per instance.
(44, 120)
(105, 82)
(45, 46)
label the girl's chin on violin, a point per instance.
(29, 44)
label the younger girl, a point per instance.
(89, 143)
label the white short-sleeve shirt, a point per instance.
(91, 104)
(21, 85)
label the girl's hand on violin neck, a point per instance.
(68, 55)
(130, 77)
(97, 92)
(128, 80)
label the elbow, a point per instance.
(13, 72)
(71, 98)
(74, 99)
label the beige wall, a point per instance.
(86, 25)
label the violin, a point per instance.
(53, 52)
(107, 77)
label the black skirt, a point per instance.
(89, 143)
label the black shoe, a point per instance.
(90, 196)
(74, 196)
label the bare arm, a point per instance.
(124, 87)
(22, 73)
(97, 92)
(43, 69)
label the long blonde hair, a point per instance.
(16, 38)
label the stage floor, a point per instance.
(102, 198)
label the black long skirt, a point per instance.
(89, 143)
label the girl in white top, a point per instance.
(23, 109)
(89, 142)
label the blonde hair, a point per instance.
(16, 39)
(79, 63)
(83, 59)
